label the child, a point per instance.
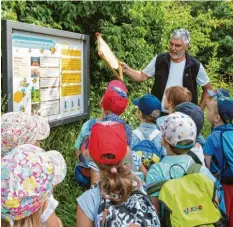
(19, 128)
(113, 104)
(197, 115)
(108, 148)
(218, 149)
(28, 177)
(174, 96)
(179, 136)
(146, 139)
(113, 101)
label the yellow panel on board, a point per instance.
(71, 64)
(71, 90)
(70, 52)
(67, 78)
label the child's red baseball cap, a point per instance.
(115, 98)
(117, 83)
(108, 138)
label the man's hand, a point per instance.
(137, 76)
(125, 67)
(205, 95)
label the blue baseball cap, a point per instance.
(224, 102)
(193, 111)
(149, 105)
(218, 92)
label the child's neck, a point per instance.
(170, 109)
(216, 124)
(144, 121)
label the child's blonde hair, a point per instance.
(120, 183)
(31, 221)
(177, 95)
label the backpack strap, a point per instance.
(139, 134)
(214, 159)
(154, 134)
(194, 168)
(194, 157)
(155, 187)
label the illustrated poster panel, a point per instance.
(47, 75)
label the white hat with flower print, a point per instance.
(179, 127)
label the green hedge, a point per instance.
(135, 31)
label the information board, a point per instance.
(46, 71)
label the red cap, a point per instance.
(113, 102)
(118, 84)
(108, 138)
(115, 98)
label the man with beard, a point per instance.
(175, 67)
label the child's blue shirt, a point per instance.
(213, 147)
(85, 131)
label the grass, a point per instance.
(63, 139)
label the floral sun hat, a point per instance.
(178, 127)
(27, 180)
(19, 128)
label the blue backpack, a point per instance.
(226, 174)
(146, 149)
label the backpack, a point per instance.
(146, 149)
(82, 168)
(227, 147)
(189, 200)
(138, 209)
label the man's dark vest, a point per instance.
(162, 67)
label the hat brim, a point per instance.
(59, 165)
(136, 101)
(42, 126)
(117, 83)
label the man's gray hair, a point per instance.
(182, 34)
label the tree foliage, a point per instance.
(135, 31)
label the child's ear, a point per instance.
(217, 118)
(164, 142)
(139, 113)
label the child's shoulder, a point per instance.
(169, 164)
(213, 137)
(89, 202)
(92, 196)
(90, 121)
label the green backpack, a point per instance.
(189, 201)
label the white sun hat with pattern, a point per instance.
(19, 128)
(178, 127)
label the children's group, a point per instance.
(163, 173)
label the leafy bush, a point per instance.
(135, 31)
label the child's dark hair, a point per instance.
(117, 185)
(148, 118)
(178, 150)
